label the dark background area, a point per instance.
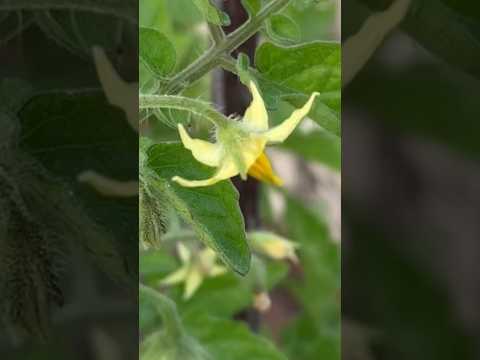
(67, 126)
(411, 186)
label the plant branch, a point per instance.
(210, 59)
(165, 307)
(217, 33)
(194, 106)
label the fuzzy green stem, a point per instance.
(217, 33)
(166, 308)
(210, 59)
(194, 106)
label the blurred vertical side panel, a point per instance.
(68, 179)
(411, 179)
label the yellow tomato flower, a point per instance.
(273, 245)
(194, 270)
(240, 145)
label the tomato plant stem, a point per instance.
(166, 308)
(210, 59)
(194, 106)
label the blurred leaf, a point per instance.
(441, 30)
(318, 290)
(230, 340)
(14, 94)
(155, 264)
(211, 13)
(392, 96)
(212, 211)
(252, 6)
(319, 146)
(283, 30)
(156, 52)
(69, 134)
(171, 342)
(415, 312)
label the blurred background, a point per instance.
(411, 189)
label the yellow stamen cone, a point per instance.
(262, 170)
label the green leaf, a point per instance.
(304, 69)
(212, 211)
(319, 146)
(211, 13)
(156, 52)
(252, 6)
(307, 68)
(283, 30)
(230, 340)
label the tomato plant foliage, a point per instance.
(206, 272)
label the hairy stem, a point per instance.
(194, 106)
(166, 308)
(217, 33)
(210, 59)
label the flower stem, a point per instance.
(166, 308)
(194, 106)
(210, 59)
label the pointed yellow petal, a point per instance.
(193, 282)
(176, 277)
(183, 253)
(227, 170)
(217, 270)
(256, 116)
(262, 170)
(204, 151)
(108, 186)
(281, 132)
(118, 92)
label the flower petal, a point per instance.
(108, 186)
(280, 132)
(192, 283)
(247, 152)
(183, 253)
(204, 151)
(118, 91)
(176, 277)
(225, 171)
(217, 270)
(256, 116)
